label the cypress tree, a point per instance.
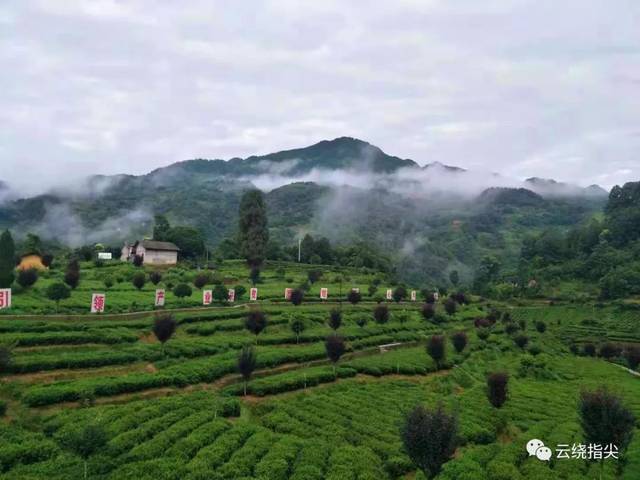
(254, 233)
(7, 259)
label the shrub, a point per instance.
(200, 280)
(428, 311)
(521, 340)
(381, 314)
(246, 364)
(497, 388)
(483, 333)
(240, 291)
(182, 290)
(459, 341)
(436, 349)
(138, 260)
(610, 350)
(450, 306)
(297, 326)
(297, 295)
(255, 322)
(511, 328)
(314, 275)
(26, 278)
(138, 280)
(354, 297)
(460, 298)
(361, 322)
(535, 350)
(541, 327)
(155, 277)
(57, 292)
(335, 319)
(164, 327)
(108, 282)
(430, 438)
(482, 322)
(399, 294)
(5, 358)
(335, 347)
(604, 419)
(632, 355)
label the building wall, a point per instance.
(160, 257)
(31, 261)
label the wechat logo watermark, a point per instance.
(536, 447)
(592, 451)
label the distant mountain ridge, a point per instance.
(431, 218)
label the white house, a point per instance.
(152, 252)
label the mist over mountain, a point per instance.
(436, 217)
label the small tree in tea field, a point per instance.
(297, 326)
(240, 291)
(83, 440)
(521, 340)
(483, 333)
(399, 294)
(220, 294)
(335, 348)
(247, 360)
(450, 306)
(58, 291)
(297, 295)
(430, 438)
(610, 350)
(335, 319)
(632, 355)
(589, 349)
(108, 282)
(541, 327)
(354, 297)
(27, 278)
(72, 275)
(604, 419)
(7, 259)
(436, 348)
(361, 322)
(428, 311)
(138, 260)
(138, 280)
(314, 275)
(164, 327)
(381, 314)
(155, 277)
(182, 290)
(5, 358)
(459, 341)
(201, 280)
(255, 322)
(497, 388)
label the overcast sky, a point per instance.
(548, 88)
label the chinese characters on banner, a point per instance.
(324, 293)
(159, 298)
(5, 298)
(287, 293)
(389, 294)
(231, 295)
(413, 295)
(253, 294)
(97, 302)
(207, 295)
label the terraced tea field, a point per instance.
(179, 412)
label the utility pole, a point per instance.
(299, 248)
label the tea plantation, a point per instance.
(178, 410)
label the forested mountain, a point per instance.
(430, 220)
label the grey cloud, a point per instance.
(521, 87)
